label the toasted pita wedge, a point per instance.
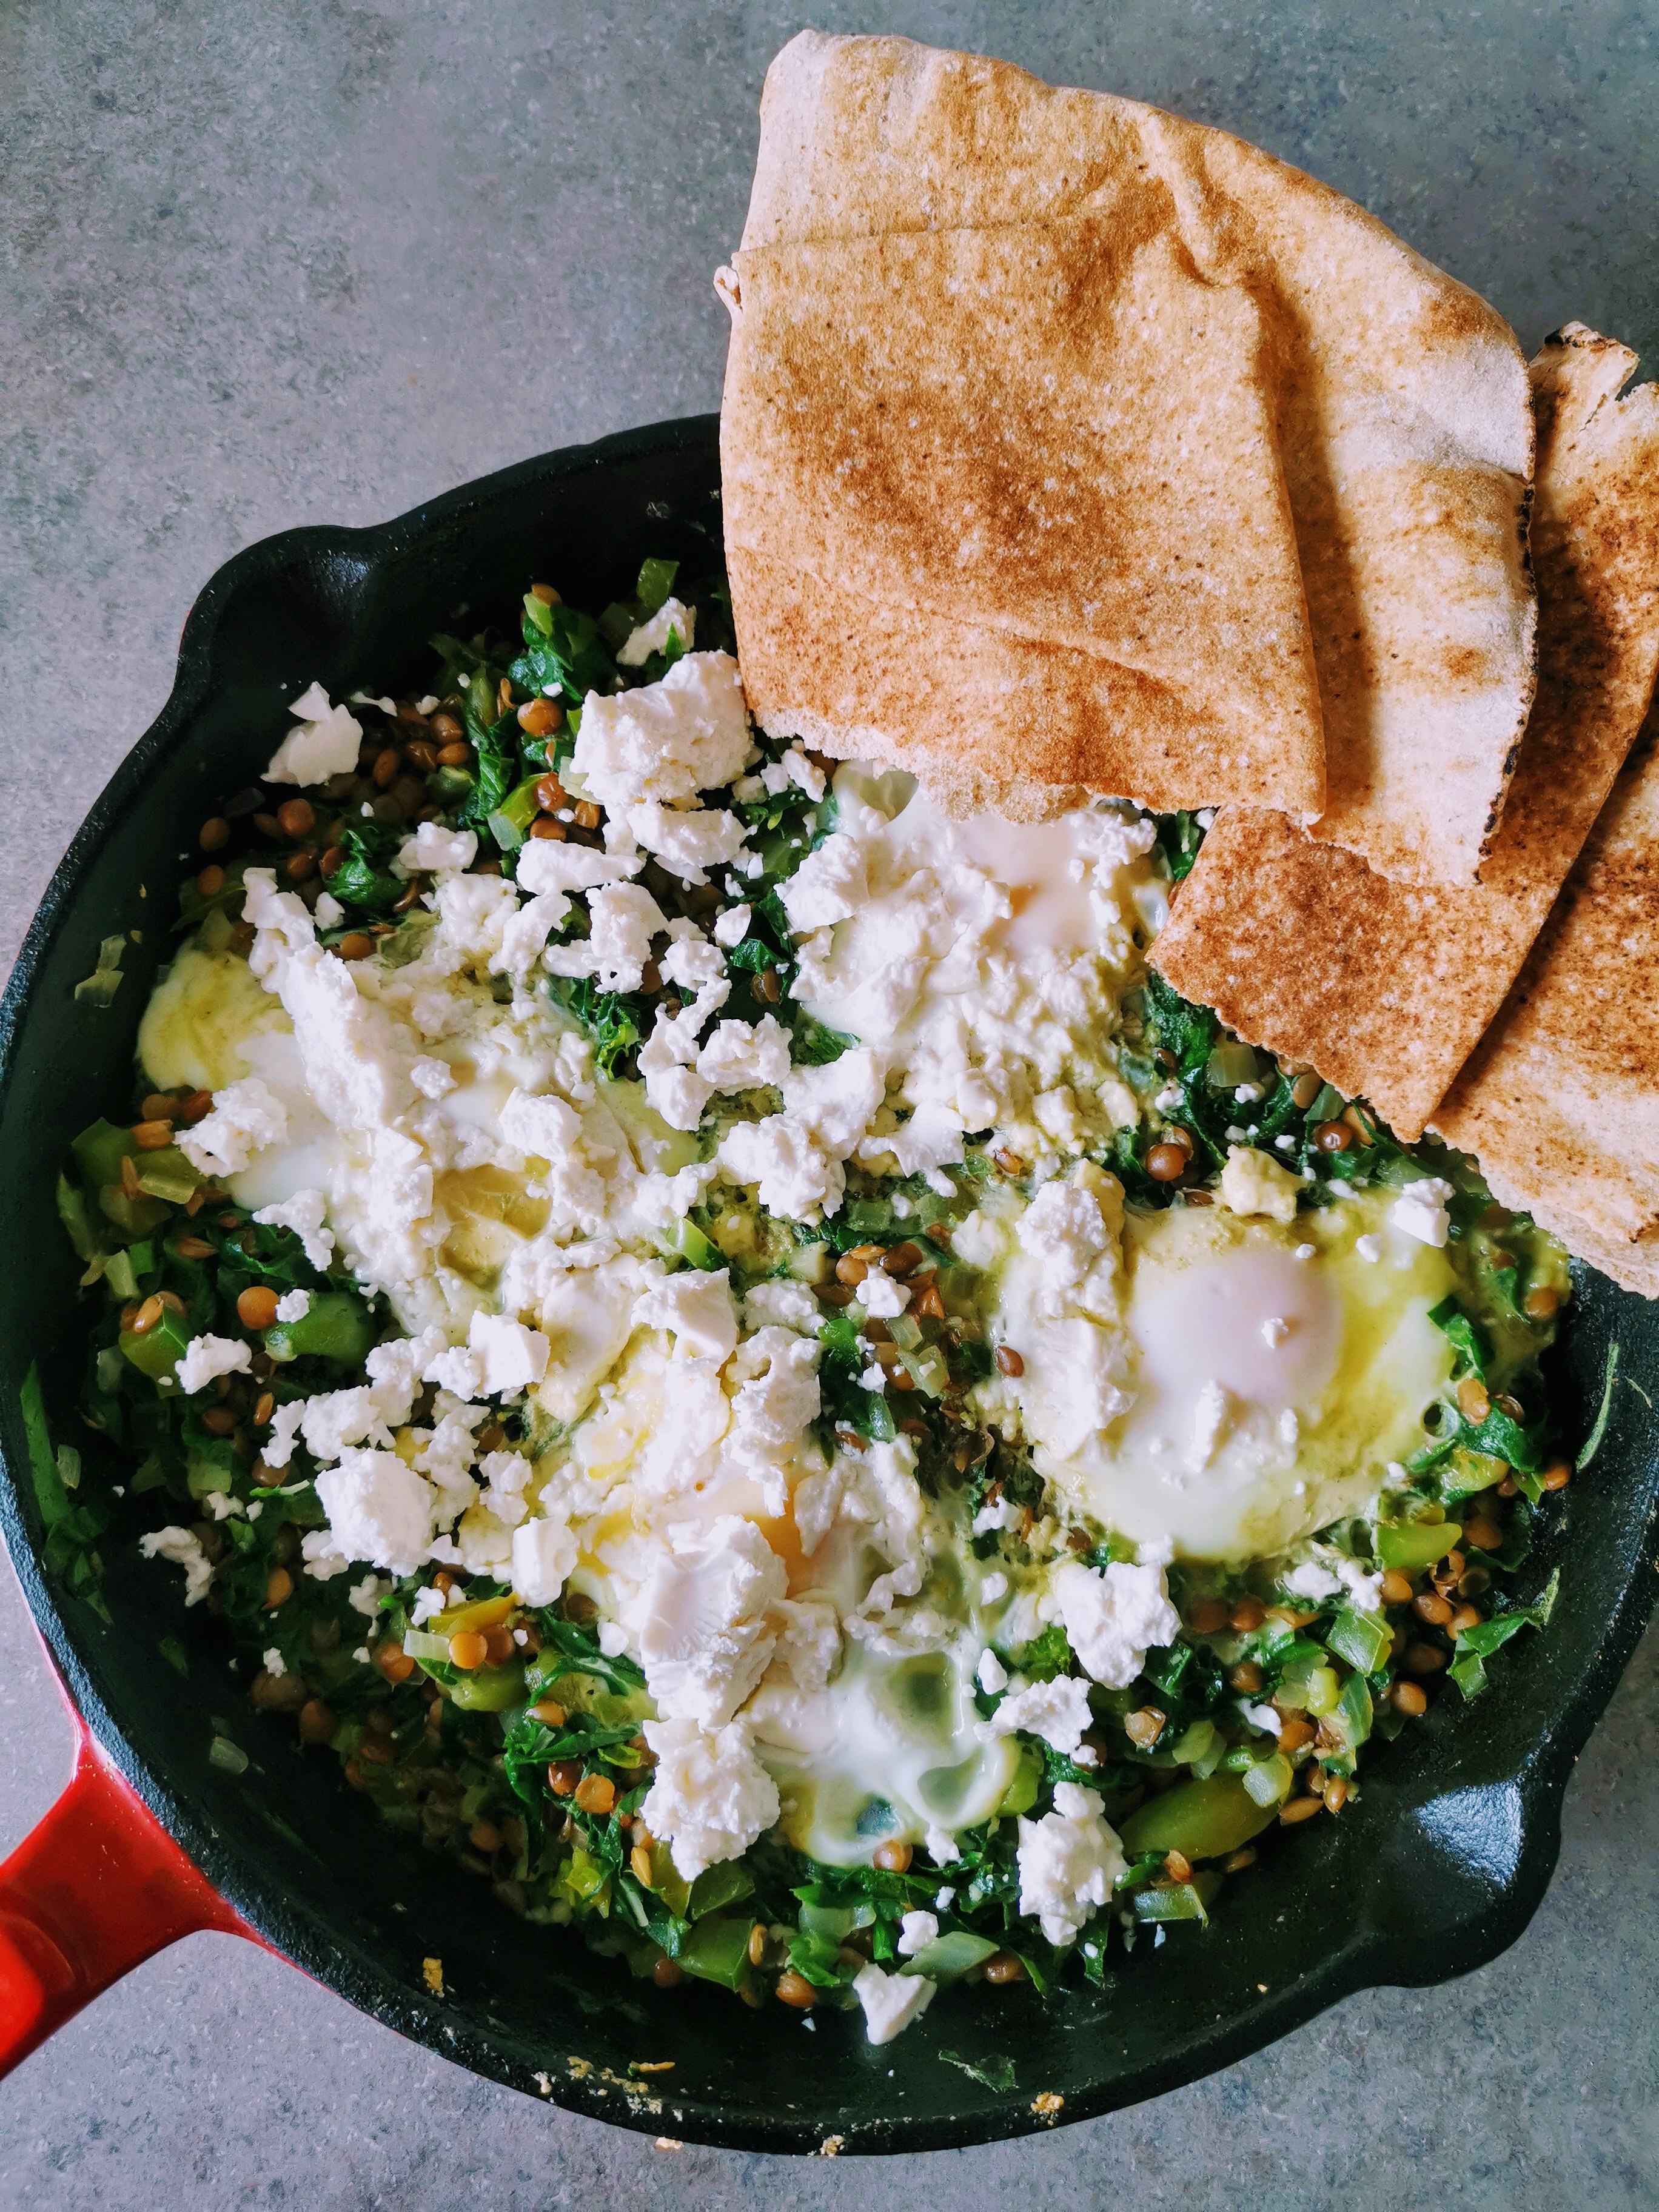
(1028, 376)
(1560, 1103)
(1385, 986)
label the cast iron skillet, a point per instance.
(1436, 1867)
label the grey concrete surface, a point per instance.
(298, 261)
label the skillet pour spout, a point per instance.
(1435, 1868)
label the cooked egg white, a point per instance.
(1266, 1375)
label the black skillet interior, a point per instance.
(1436, 1867)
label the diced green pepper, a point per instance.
(509, 825)
(948, 1957)
(159, 1350)
(488, 1689)
(1182, 1900)
(1201, 1820)
(728, 1883)
(656, 582)
(335, 1325)
(1022, 1792)
(1412, 1546)
(1361, 1638)
(99, 1151)
(694, 1245)
(78, 1223)
(121, 1275)
(718, 1951)
(166, 1173)
(1267, 1783)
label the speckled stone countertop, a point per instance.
(298, 261)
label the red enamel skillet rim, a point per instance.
(1436, 1867)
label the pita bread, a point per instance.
(1011, 509)
(1384, 987)
(1561, 1102)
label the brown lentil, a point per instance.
(316, 1722)
(1246, 1676)
(257, 1306)
(1239, 1861)
(587, 814)
(1395, 1589)
(468, 1649)
(893, 1858)
(1208, 1617)
(1248, 1614)
(1299, 1808)
(1558, 1474)
(1333, 1137)
(668, 1973)
(795, 1990)
(1423, 1659)
(1435, 1610)
(210, 882)
(1166, 1163)
(279, 1588)
(1145, 1727)
(214, 834)
(152, 1136)
(1406, 1697)
(539, 717)
(356, 946)
(1008, 1362)
(563, 1775)
(1003, 1966)
(1305, 1089)
(296, 818)
(596, 1794)
(1473, 1401)
(1010, 1162)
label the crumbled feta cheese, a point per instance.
(365, 1596)
(1255, 1183)
(546, 1128)
(304, 1213)
(671, 620)
(1057, 1711)
(731, 927)
(741, 1057)
(274, 1663)
(710, 1796)
(829, 886)
(292, 1305)
(432, 849)
(703, 1635)
(1369, 1247)
(793, 1175)
(916, 1931)
(670, 740)
(1420, 1210)
(990, 1673)
(1274, 1330)
(1069, 1862)
(551, 870)
(993, 1587)
(513, 1357)
(378, 1509)
(781, 1303)
(432, 1078)
(543, 1555)
(184, 1550)
(324, 741)
(1112, 1616)
(882, 1295)
(697, 1308)
(623, 918)
(245, 1118)
(687, 844)
(943, 1849)
(205, 1356)
(328, 913)
(891, 2001)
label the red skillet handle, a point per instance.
(98, 1887)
